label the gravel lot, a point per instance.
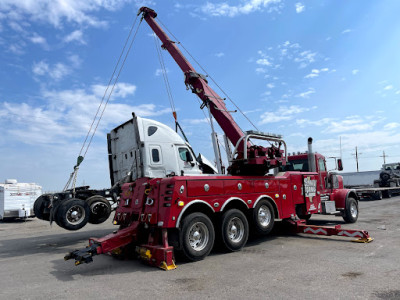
(280, 266)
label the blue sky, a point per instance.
(326, 69)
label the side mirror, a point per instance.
(339, 164)
(188, 157)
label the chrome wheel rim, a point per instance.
(198, 236)
(98, 208)
(264, 216)
(75, 215)
(353, 210)
(235, 230)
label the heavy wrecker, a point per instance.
(165, 206)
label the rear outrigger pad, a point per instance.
(363, 240)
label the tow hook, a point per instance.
(83, 255)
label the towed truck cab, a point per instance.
(146, 148)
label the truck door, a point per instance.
(186, 161)
(312, 198)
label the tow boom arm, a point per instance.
(258, 159)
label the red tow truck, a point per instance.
(187, 213)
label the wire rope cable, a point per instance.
(212, 79)
(164, 73)
(103, 104)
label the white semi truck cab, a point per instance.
(146, 148)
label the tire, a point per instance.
(385, 176)
(234, 230)
(38, 207)
(387, 194)
(263, 217)
(197, 236)
(73, 214)
(377, 195)
(351, 211)
(300, 214)
(305, 217)
(100, 209)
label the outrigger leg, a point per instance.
(155, 254)
(300, 226)
(109, 244)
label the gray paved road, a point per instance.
(278, 267)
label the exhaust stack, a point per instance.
(311, 159)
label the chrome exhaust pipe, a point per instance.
(311, 158)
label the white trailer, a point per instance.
(17, 199)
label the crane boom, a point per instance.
(195, 81)
(247, 159)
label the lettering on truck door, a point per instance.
(311, 195)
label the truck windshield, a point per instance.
(295, 165)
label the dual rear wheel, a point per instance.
(198, 232)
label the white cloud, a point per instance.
(260, 70)
(263, 62)
(66, 115)
(37, 39)
(283, 113)
(305, 58)
(278, 57)
(353, 124)
(248, 6)
(297, 134)
(270, 85)
(363, 140)
(121, 90)
(159, 72)
(219, 54)
(388, 87)
(316, 72)
(17, 49)
(355, 71)
(56, 72)
(76, 36)
(346, 31)
(306, 94)
(391, 126)
(321, 122)
(58, 12)
(75, 60)
(195, 121)
(299, 7)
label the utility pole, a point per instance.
(356, 156)
(384, 157)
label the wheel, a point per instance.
(300, 213)
(234, 230)
(73, 214)
(38, 207)
(263, 217)
(351, 211)
(387, 194)
(305, 217)
(385, 176)
(197, 236)
(100, 209)
(377, 195)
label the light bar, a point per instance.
(266, 134)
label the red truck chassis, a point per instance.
(152, 210)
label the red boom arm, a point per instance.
(255, 160)
(197, 82)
